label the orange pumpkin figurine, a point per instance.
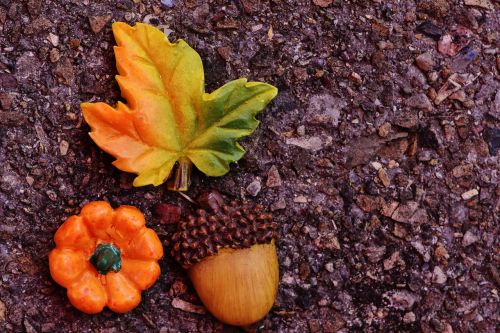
(105, 257)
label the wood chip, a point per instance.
(224, 52)
(188, 307)
(270, 33)
(384, 178)
(3, 310)
(486, 4)
(63, 147)
(323, 3)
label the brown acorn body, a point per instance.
(238, 286)
(230, 255)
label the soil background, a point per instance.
(378, 158)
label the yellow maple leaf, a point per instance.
(168, 117)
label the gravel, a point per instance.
(411, 248)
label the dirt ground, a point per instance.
(379, 158)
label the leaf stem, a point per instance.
(181, 180)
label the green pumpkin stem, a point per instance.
(106, 258)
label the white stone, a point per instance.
(254, 187)
(470, 194)
(376, 165)
(300, 199)
(53, 39)
(324, 109)
(469, 238)
(313, 143)
(288, 279)
(438, 276)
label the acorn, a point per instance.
(230, 254)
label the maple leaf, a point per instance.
(168, 118)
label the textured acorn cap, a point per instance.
(234, 226)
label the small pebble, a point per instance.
(376, 165)
(280, 204)
(486, 4)
(54, 55)
(97, 23)
(384, 130)
(168, 3)
(129, 16)
(301, 130)
(256, 27)
(409, 317)
(254, 188)
(300, 199)
(52, 195)
(53, 39)
(438, 276)
(432, 77)
(425, 61)
(469, 238)
(430, 30)
(419, 101)
(470, 194)
(168, 213)
(30, 180)
(288, 279)
(392, 164)
(63, 147)
(356, 78)
(273, 177)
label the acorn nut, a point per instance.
(230, 254)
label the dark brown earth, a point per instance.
(387, 201)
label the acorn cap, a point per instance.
(239, 225)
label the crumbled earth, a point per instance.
(379, 158)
